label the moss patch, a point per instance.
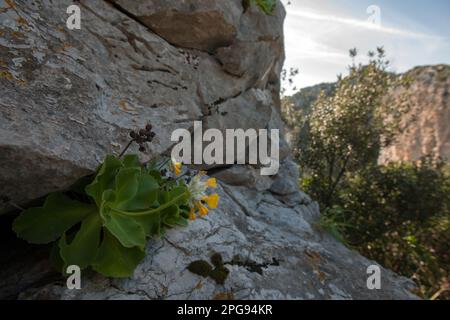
(202, 268)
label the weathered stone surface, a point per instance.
(248, 45)
(258, 46)
(68, 98)
(95, 84)
(245, 176)
(277, 123)
(250, 110)
(286, 182)
(253, 61)
(194, 24)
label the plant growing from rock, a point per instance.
(103, 223)
(268, 6)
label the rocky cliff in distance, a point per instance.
(428, 130)
(68, 98)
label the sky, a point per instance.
(319, 34)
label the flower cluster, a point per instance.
(176, 167)
(200, 201)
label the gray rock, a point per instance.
(245, 176)
(257, 54)
(277, 123)
(111, 76)
(194, 24)
(250, 110)
(286, 182)
(258, 60)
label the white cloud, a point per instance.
(358, 23)
(318, 35)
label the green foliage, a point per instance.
(268, 6)
(83, 247)
(46, 224)
(333, 221)
(114, 260)
(296, 108)
(399, 215)
(126, 203)
(346, 130)
(396, 214)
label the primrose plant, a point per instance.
(104, 221)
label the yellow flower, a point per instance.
(192, 215)
(197, 188)
(176, 167)
(211, 183)
(212, 200)
(202, 209)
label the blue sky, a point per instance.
(319, 33)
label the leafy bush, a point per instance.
(399, 215)
(345, 131)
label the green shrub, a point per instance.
(267, 6)
(345, 131)
(398, 215)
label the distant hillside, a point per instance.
(299, 105)
(303, 99)
(430, 132)
(430, 107)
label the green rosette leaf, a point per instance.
(104, 180)
(115, 260)
(46, 224)
(84, 246)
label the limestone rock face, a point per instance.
(428, 130)
(194, 24)
(62, 88)
(69, 97)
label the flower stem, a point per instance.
(152, 211)
(163, 164)
(126, 148)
